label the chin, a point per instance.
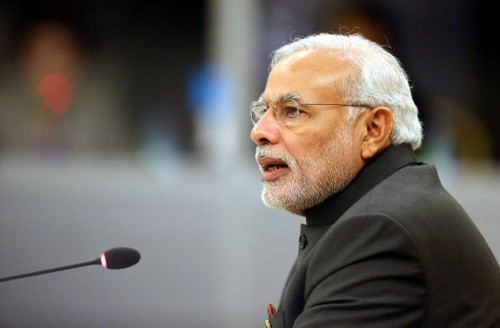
(296, 211)
(293, 206)
(292, 209)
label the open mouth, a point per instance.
(272, 168)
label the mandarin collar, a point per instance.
(379, 168)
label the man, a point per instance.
(384, 245)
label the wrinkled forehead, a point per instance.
(325, 61)
(308, 75)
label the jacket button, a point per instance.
(302, 241)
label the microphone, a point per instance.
(114, 258)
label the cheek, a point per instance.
(310, 141)
(307, 148)
(318, 141)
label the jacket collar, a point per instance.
(381, 167)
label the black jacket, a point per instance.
(393, 249)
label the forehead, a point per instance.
(311, 75)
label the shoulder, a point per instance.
(414, 197)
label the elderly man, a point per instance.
(384, 244)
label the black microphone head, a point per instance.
(120, 258)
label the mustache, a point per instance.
(267, 151)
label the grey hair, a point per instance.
(377, 79)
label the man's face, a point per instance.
(304, 164)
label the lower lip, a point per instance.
(274, 174)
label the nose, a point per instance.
(266, 131)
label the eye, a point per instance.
(289, 111)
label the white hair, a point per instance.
(377, 79)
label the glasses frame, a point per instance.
(253, 115)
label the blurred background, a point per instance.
(125, 123)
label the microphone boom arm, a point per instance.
(114, 258)
(67, 267)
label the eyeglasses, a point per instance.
(288, 113)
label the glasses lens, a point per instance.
(257, 110)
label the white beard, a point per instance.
(312, 179)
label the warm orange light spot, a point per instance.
(56, 91)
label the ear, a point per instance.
(376, 131)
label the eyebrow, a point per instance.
(286, 97)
